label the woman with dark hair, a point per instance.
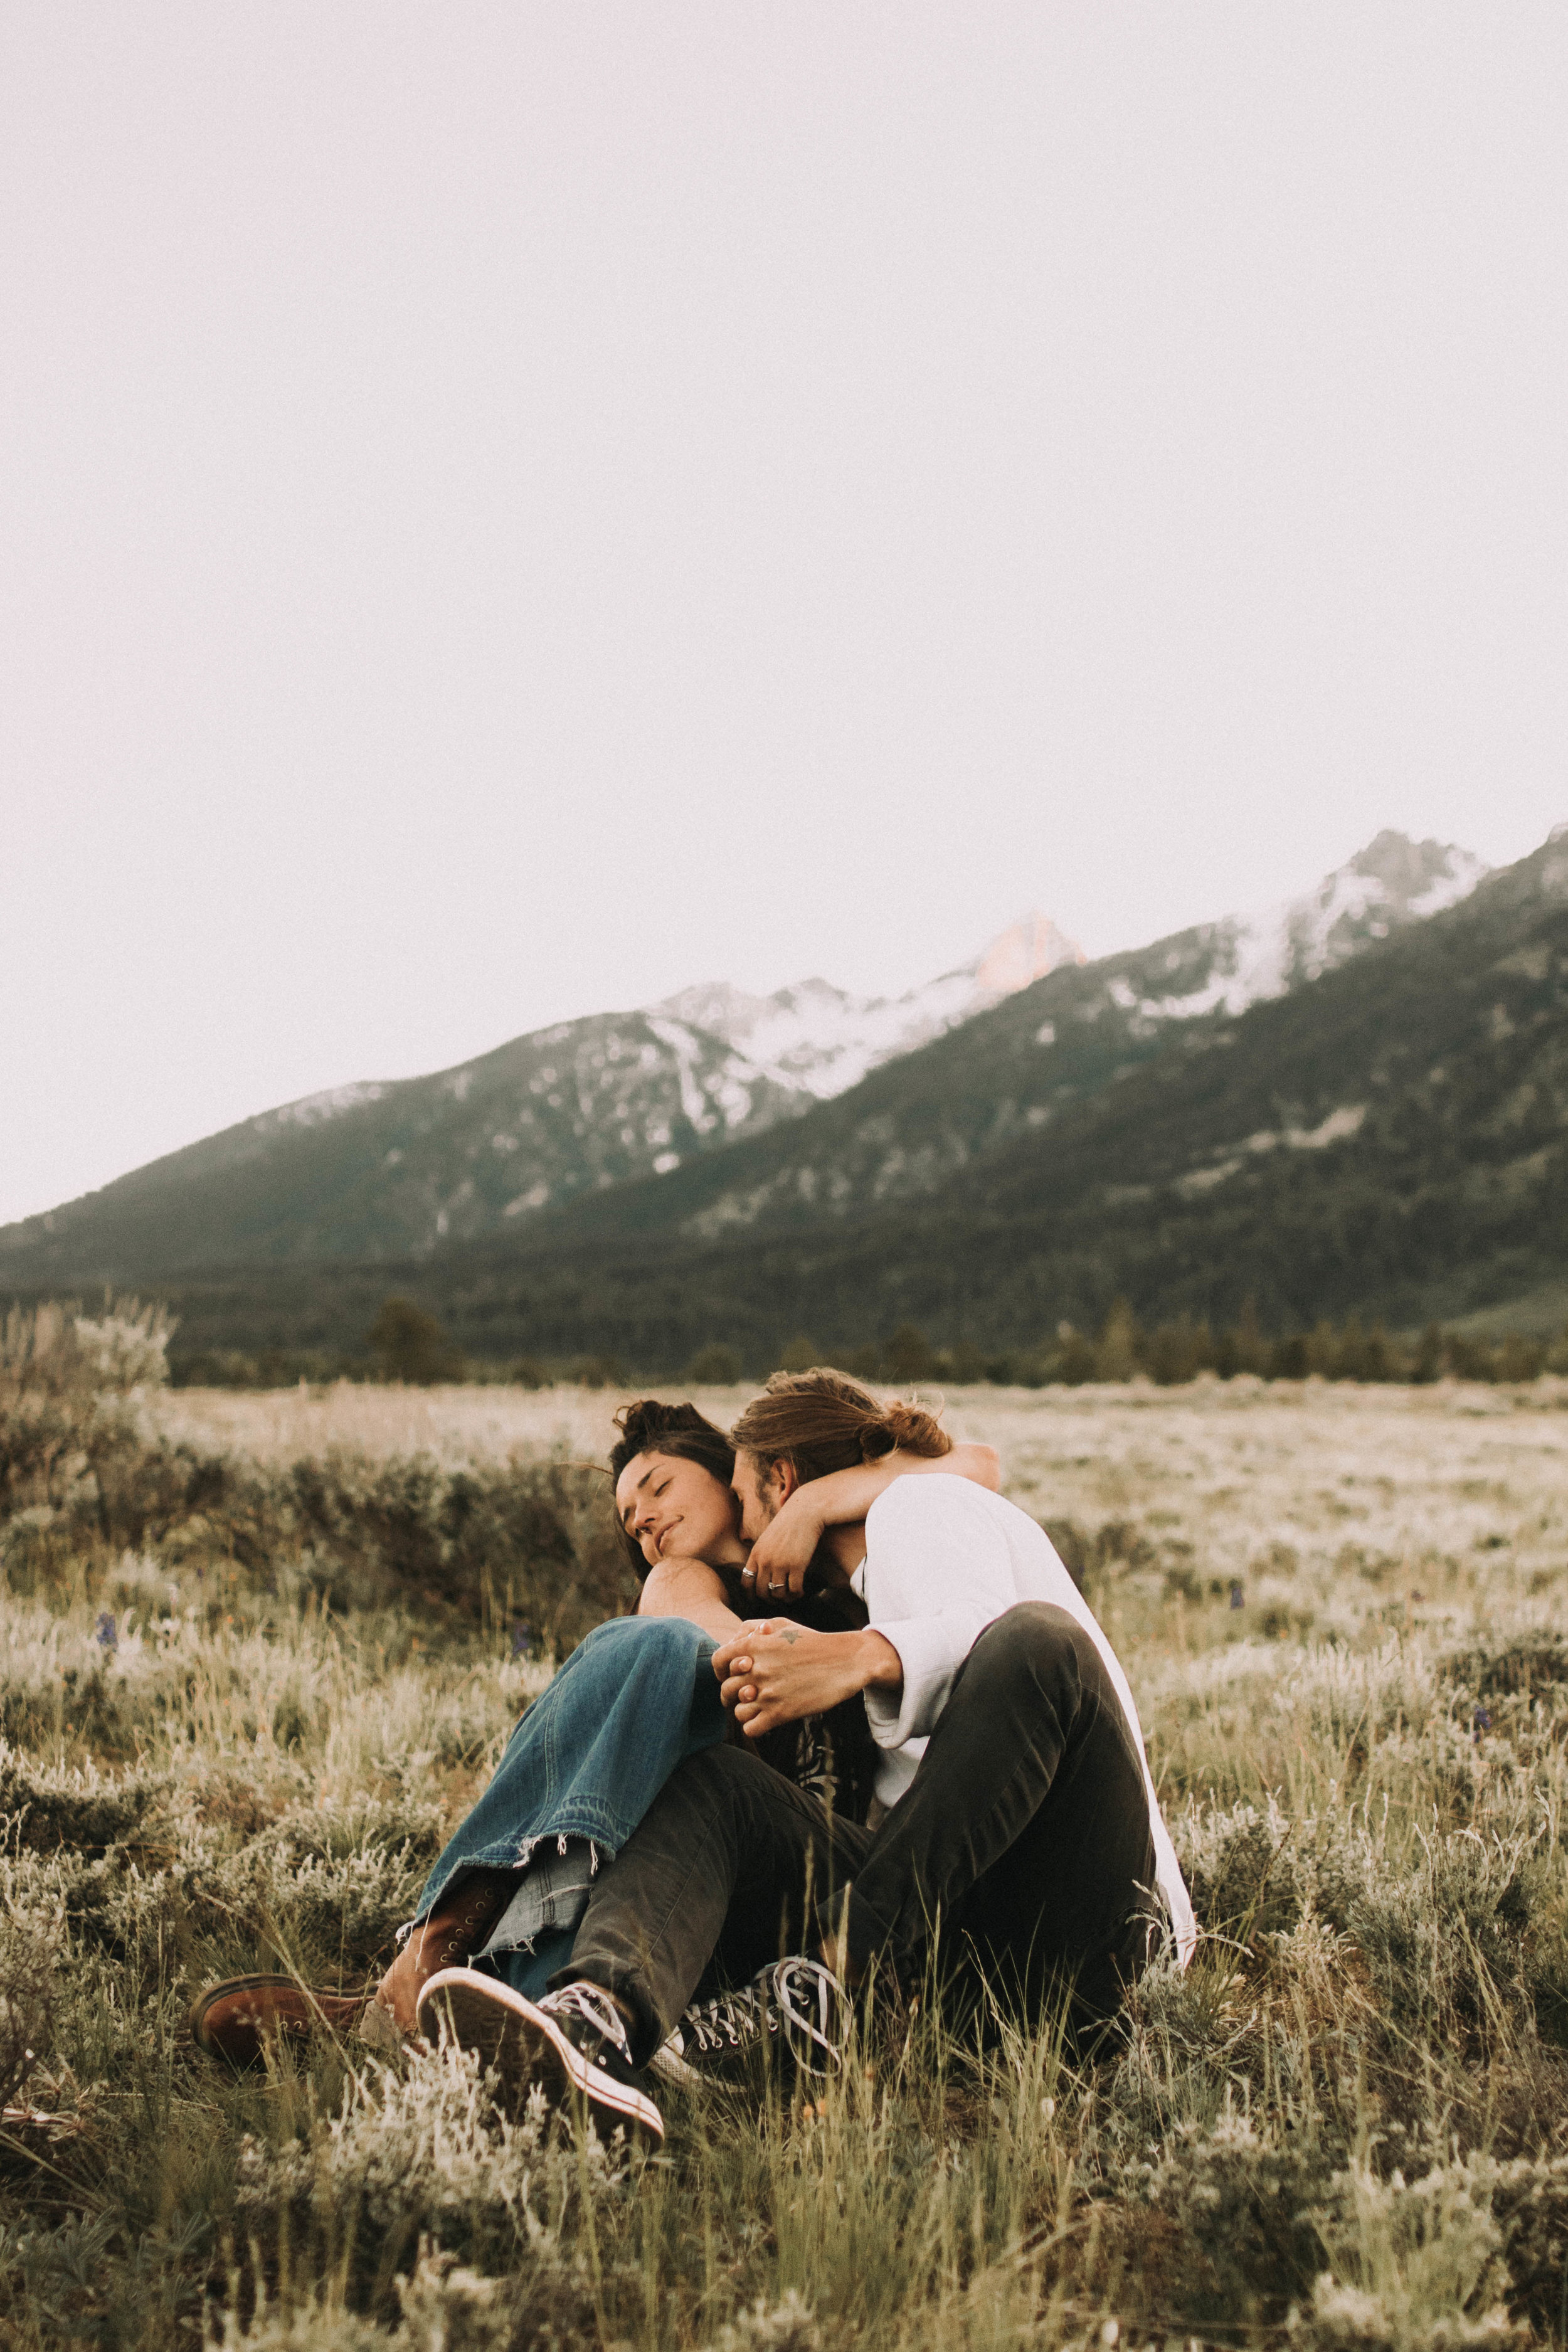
(1021, 1853)
(680, 1502)
(680, 1521)
(632, 1702)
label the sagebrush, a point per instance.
(245, 1695)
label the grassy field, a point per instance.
(257, 1661)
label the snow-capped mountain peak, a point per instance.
(1024, 952)
(822, 1039)
(1391, 882)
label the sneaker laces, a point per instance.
(586, 2003)
(730, 2019)
(815, 2008)
(796, 1996)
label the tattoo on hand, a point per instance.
(791, 1635)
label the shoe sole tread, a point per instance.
(525, 2046)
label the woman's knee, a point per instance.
(639, 1640)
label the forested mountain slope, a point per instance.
(390, 1171)
(1019, 1070)
(1391, 1137)
(394, 1170)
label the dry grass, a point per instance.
(454, 1424)
(1231, 1467)
(1348, 2126)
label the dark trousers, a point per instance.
(1025, 1832)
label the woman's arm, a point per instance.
(787, 1545)
(690, 1588)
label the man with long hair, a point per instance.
(1020, 1834)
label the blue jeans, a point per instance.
(633, 1701)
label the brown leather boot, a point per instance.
(454, 1929)
(238, 2019)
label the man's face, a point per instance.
(760, 1493)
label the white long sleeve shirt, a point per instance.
(943, 1559)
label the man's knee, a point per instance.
(716, 1768)
(1033, 1646)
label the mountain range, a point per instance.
(385, 1171)
(921, 1122)
(1389, 1138)
(1354, 1099)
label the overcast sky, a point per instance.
(505, 511)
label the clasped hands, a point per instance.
(775, 1671)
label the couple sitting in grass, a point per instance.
(863, 1732)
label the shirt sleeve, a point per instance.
(938, 1571)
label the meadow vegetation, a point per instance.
(260, 1653)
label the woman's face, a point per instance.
(677, 1510)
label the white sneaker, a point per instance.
(573, 2043)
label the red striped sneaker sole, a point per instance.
(526, 2046)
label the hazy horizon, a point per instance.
(509, 517)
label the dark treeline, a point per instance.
(1170, 1353)
(406, 1343)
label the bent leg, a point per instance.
(585, 1761)
(1027, 1826)
(593, 1749)
(727, 1868)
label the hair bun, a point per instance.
(823, 1420)
(909, 1428)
